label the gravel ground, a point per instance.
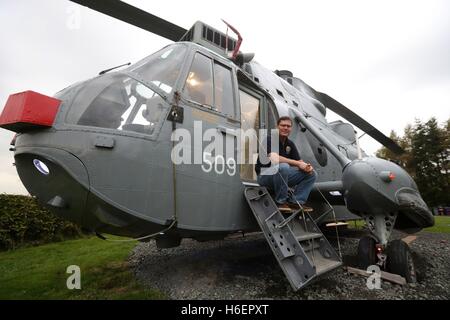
(244, 268)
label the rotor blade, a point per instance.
(352, 117)
(135, 16)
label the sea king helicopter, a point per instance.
(99, 153)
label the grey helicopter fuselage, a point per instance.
(127, 187)
(118, 176)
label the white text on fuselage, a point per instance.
(219, 149)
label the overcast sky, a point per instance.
(389, 61)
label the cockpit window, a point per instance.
(162, 68)
(223, 90)
(199, 83)
(210, 84)
(116, 101)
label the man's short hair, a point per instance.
(285, 118)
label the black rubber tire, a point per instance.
(367, 255)
(400, 261)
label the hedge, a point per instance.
(24, 222)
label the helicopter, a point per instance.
(100, 153)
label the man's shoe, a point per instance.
(293, 205)
(307, 209)
(284, 207)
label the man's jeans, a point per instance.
(283, 173)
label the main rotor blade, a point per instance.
(135, 16)
(352, 117)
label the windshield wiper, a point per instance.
(107, 70)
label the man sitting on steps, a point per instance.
(282, 170)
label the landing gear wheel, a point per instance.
(400, 260)
(366, 252)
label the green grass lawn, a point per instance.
(441, 224)
(40, 272)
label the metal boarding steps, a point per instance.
(301, 249)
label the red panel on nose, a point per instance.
(29, 110)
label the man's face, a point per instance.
(284, 128)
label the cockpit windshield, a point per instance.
(117, 101)
(161, 68)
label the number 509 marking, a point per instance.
(219, 164)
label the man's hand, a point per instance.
(307, 167)
(274, 157)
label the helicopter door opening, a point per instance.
(251, 103)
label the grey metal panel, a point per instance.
(104, 142)
(135, 175)
(207, 200)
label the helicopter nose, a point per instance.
(414, 210)
(376, 186)
(63, 189)
(374, 183)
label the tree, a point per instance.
(445, 155)
(385, 153)
(426, 158)
(403, 160)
